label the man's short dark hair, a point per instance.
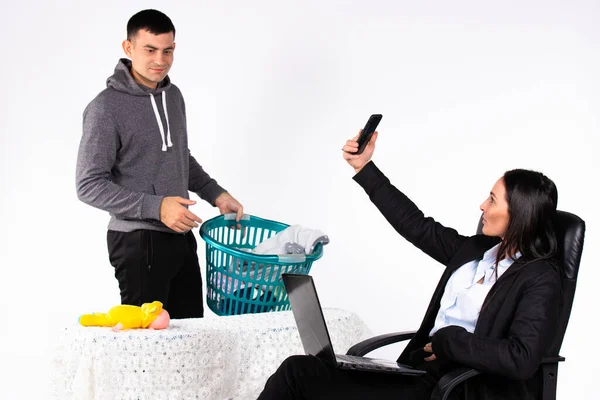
(151, 20)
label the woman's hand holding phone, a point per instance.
(358, 161)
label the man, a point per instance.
(134, 162)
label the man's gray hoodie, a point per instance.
(134, 151)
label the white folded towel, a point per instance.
(288, 240)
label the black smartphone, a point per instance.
(367, 132)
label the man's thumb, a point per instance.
(185, 201)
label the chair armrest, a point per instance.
(450, 380)
(458, 375)
(551, 360)
(367, 346)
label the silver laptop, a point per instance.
(315, 336)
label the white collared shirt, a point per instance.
(463, 296)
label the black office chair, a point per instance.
(570, 232)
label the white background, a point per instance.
(273, 89)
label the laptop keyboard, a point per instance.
(364, 363)
(358, 360)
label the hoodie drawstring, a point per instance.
(159, 121)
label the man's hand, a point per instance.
(227, 204)
(429, 349)
(174, 215)
(358, 161)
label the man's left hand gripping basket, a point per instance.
(241, 282)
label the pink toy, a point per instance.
(162, 321)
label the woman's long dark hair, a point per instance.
(532, 199)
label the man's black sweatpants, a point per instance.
(153, 265)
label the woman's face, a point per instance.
(495, 211)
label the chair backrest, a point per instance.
(570, 232)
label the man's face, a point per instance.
(151, 56)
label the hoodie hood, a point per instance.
(122, 81)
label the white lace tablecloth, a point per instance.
(209, 358)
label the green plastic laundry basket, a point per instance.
(241, 282)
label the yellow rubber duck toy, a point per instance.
(149, 315)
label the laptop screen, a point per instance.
(309, 316)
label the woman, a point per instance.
(495, 308)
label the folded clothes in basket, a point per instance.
(248, 294)
(292, 240)
(241, 271)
